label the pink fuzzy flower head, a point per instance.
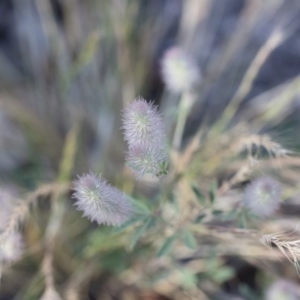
(143, 160)
(283, 290)
(11, 247)
(101, 202)
(262, 196)
(145, 135)
(142, 123)
(179, 72)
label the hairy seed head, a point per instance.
(145, 135)
(101, 202)
(142, 123)
(179, 72)
(262, 196)
(283, 290)
(147, 159)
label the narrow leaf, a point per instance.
(200, 197)
(139, 207)
(139, 232)
(223, 274)
(189, 240)
(212, 191)
(200, 218)
(167, 246)
(243, 221)
(129, 223)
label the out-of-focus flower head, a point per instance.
(262, 196)
(179, 72)
(150, 159)
(11, 247)
(101, 202)
(144, 133)
(283, 290)
(142, 123)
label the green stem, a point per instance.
(183, 111)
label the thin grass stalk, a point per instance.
(275, 39)
(184, 108)
(58, 206)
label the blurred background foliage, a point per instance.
(68, 68)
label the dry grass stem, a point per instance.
(19, 212)
(274, 40)
(289, 247)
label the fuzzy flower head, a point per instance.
(11, 247)
(179, 72)
(263, 196)
(142, 124)
(151, 160)
(145, 135)
(101, 202)
(283, 290)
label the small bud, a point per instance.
(179, 72)
(152, 160)
(100, 201)
(142, 123)
(11, 247)
(263, 196)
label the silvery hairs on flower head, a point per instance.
(179, 72)
(283, 289)
(101, 202)
(262, 196)
(148, 159)
(144, 133)
(142, 123)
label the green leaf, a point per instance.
(129, 223)
(223, 274)
(140, 207)
(230, 215)
(212, 191)
(188, 279)
(243, 221)
(189, 240)
(139, 232)
(167, 245)
(200, 218)
(217, 212)
(161, 276)
(200, 197)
